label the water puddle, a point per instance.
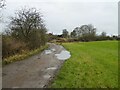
(46, 76)
(53, 50)
(51, 68)
(48, 51)
(63, 55)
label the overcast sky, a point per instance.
(61, 14)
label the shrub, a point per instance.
(11, 46)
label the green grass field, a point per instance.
(92, 65)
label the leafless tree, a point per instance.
(2, 3)
(65, 33)
(28, 26)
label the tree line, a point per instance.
(86, 33)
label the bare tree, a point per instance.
(2, 3)
(103, 34)
(65, 33)
(73, 34)
(28, 26)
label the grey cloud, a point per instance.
(60, 15)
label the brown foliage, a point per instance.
(11, 46)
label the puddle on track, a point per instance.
(51, 68)
(48, 51)
(63, 55)
(46, 76)
(53, 50)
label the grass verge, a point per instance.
(22, 56)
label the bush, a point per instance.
(72, 40)
(11, 46)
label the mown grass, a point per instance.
(92, 65)
(23, 55)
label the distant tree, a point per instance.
(65, 33)
(114, 37)
(88, 32)
(77, 31)
(2, 3)
(103, 34)
(84, 33)
(92, 32)
(59, 36)
(28, 26)
(73, 34)
(118, 37)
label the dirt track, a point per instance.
(34, 72)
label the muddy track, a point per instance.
(34, 72)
